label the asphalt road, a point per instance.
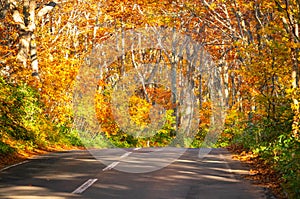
(134, 174)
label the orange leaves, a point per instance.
(103, 108)
(161, 96)
(138, 110)
(205, 114)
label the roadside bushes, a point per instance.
(272, 140)
(23, 125)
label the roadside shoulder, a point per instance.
(260, 173)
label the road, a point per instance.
(133, 174)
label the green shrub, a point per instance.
(23, 122)
(5, 148)
(272, 140)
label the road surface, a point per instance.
(78, 174)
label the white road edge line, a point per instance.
(112, 165)
(137, 149)
(84, 186)
(14, 165)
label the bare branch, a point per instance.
(46, 9)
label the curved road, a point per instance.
(78, 174)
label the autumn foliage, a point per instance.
(254, 46)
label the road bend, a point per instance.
(129, 173)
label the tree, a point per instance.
(26, 21)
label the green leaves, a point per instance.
(23, 124)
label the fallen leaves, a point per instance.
(261, 173)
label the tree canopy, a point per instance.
(249, 48)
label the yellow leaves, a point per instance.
(107, 18)
(139, 111)
(57, 78)
(294, 45)
(213, 5)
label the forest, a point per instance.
(145, 73)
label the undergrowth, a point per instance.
(23, 124)
(273, 142)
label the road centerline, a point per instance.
(112, 165)
(84, 186)
(125, 155)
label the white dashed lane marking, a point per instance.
(84, 186)
(90, 182)
(112, 165)
(125, 155)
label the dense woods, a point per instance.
(62, 62)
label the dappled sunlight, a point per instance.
(33, 192)
(214, 161)
(61, 176)
(219, 178)
(237, 171)
(87, 160)
(187, 177)
(188, 172)
(112, 186)
(180, 160)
